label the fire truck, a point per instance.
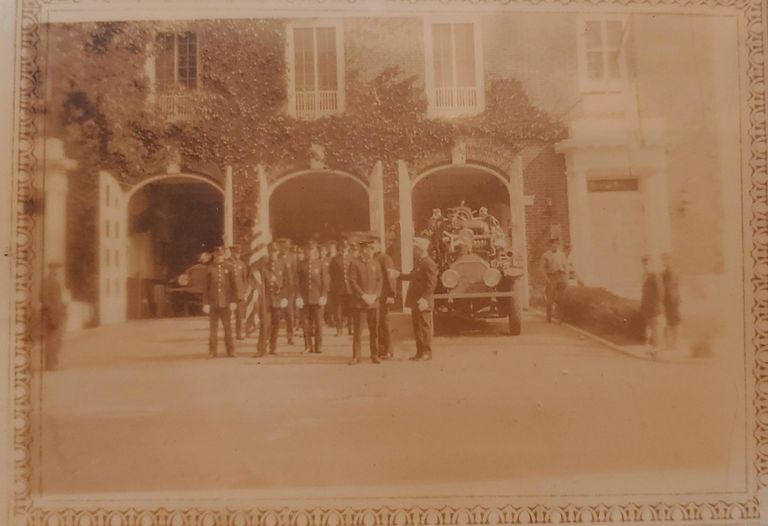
(479, 274)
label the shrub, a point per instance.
(599, 311)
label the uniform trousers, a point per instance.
(290, 317)
(343, 311)
(265, 331)
(312, 318)
(370, 316)
(275, 313)
(240, 320)
(385, 336)
(220, 314)
(556, 284)
(422, 331)
(329, 311)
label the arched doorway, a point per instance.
(446, 185)
(449, 186)
(170, 222)
(150, 233)
(322, 203)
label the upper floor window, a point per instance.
(602, 53)
(315, 55)
(176, 61)
(454, 68)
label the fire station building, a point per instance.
(650, 163)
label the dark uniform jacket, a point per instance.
(221, 286)
(365, 278)
(241, 275)
(313, 281)
(339, 271)
(423, 280)
(389, 284)
(291, 266)
(276, 280)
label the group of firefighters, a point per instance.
(347, 285)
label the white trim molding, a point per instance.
(466, 101)
(316, 103)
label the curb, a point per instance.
(623, 349)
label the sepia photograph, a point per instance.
(388, 263)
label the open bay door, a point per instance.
(113, 264)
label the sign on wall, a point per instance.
(612, 185)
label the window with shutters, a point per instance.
(177, 72)
(602, 53)
(315, 57)
(454, 67)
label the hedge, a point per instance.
(601, 312)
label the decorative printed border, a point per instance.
(28, 137)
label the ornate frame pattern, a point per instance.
(753, 15)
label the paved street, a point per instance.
(137, 407)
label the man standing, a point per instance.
(275, 279)
(241, 275)
(312, 295)
(420, 297)
(220, 299)
(365, 282)
(54, 314)
(387, 299)
(652, 303)
(340, 289)
(556, 271)
(325, 256)
(289, 261)
(671, 285)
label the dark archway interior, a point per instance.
(447, 188)
(321, 204)
(175, 221)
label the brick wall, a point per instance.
(544, 179)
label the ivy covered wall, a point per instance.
(98, 88)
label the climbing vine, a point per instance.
(99, 91)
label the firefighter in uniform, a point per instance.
(325, 257)
(241, 274)
(387, 299)
(275, 280)
(312, 295)
(220, 295)
(365, 281)
(289, 260)
(421, 297)
(340, 291)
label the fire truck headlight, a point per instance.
(183, 280)
(450, 279)
(491, 277)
